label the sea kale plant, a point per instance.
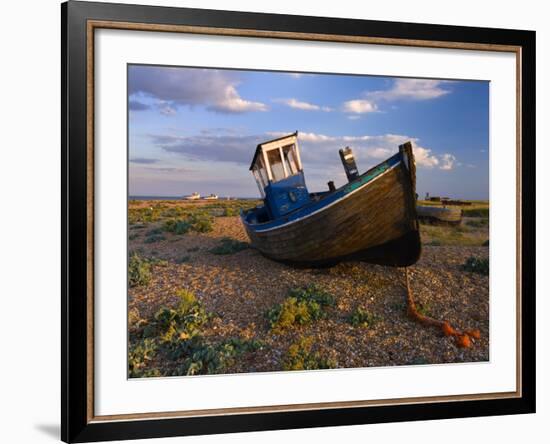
(362, 318)
(477, 265)
(300, 356)
(198, 222)
(301, 307)
(175, 336)
(229, 246)
(139, 271)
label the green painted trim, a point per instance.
(363, 180)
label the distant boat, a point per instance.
(439, 215)
(371, 218)
(211, 197)
(194, 196)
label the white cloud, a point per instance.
(315, 138)
(318, 147)
(231, 102)
(380, 153)
(401, 89)
(371, 148)
(411, 89)
(305, 106)
(447, 161)
(424, 157)
(354, 117)
(174, 87)
(318, 151)
(359, 106)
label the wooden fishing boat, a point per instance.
(439, 215)
(371, 218)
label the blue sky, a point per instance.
(193, 129)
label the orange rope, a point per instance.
(462, 339)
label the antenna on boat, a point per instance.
(348, 160)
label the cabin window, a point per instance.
(276, 164)
(259, 180)
(261, 171)
(290, 159)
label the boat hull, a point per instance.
(439, 215)
(374, 221)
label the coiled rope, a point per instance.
(463, 339)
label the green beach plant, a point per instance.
(153, 238)
(198, 222)
(314, 293)
(177, 226)
(475, 212)
(229, 246)
(477, 265)
(201, 222)
(301, 357)
(139, 271)
(198, 356)
(302, 306)
(292, 312)
(231, 211)
(478, 223)
(183, 321)
(362, 318)
(140, 355)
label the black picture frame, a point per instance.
(76, 423)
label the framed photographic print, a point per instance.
(275, 221)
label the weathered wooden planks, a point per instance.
(377, 223)
(439, 215)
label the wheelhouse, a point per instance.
(277, 169)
